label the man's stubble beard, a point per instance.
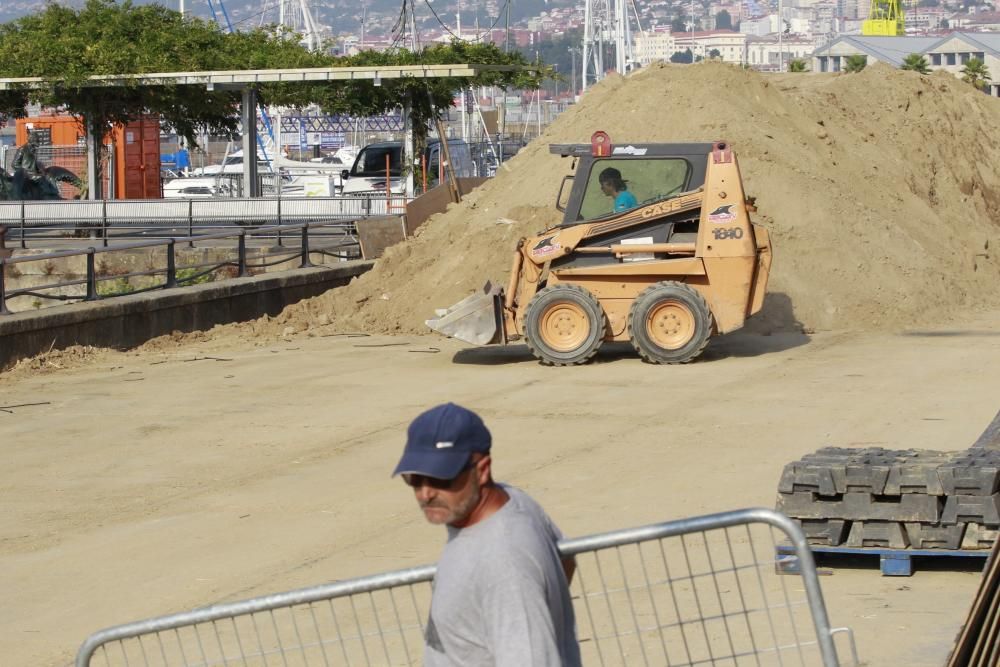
(462, 510)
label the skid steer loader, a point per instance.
(681, 265)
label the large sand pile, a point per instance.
(880, 189)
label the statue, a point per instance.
(31, 180)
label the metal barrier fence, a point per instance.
(88, 287)
(703, 590)
(149, 217)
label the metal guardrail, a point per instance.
(347, 245)
(170, 217)
(703, 590)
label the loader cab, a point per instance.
(652, 172)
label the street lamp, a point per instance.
(573, 51)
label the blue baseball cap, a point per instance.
(440, 442)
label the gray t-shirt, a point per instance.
(500, 594)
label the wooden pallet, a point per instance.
(892, 562)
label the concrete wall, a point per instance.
(128, 321)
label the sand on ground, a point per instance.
(216, 470)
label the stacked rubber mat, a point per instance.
(897, 499)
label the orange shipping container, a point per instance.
(137, 150)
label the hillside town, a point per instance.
(765, 35)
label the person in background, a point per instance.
(501, 592)
(613, 186)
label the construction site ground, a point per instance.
(256, 458)
(221, 468)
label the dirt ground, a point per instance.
(157, 481)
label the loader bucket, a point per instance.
(475, 319)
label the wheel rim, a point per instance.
(670, 325)
(564, 326)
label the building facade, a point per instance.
(950, 53)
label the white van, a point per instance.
(368, 174)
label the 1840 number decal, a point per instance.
(727, 233)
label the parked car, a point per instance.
(368, 173)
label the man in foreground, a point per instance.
(501, 593)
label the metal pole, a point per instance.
(243, 255)
(781, 30)
(171, 266)
(23, 242)
(3, 292)
(305, 248)
(104, 220)
(91, 277)
(93, 160)
(190, 223)
(251, 186)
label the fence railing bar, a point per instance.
(718, 592)
(340, 637)
(298, 634)
(180, 645)
(277, 638)
(652, 602)
(239, 641)
(764, 596)
(201, 645)
(784, 592)
(611, 614)
(697, 596)
(163, 652)
(402, 628)
(631, 605)
(218, 642)
(673, 597)
(739, 592)
(581, 578)
(361, 637)
(257, 635)
(378, 626)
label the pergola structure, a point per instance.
(246, 82)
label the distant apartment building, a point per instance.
(654, 45)
(662, 45)
(767, 54)
(949, 53)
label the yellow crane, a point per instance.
(885, 19)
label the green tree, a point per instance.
(723, 21)
(714, 53)
(976, 73)
(678, 24)
(66, 46)
(682, 57)
(916, 63)
(797, 65)
(855, 64)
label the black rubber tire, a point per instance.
(692, 334)
(541, 308)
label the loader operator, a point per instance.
(613, 185)
(501, 592)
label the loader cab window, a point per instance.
(647, 180)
